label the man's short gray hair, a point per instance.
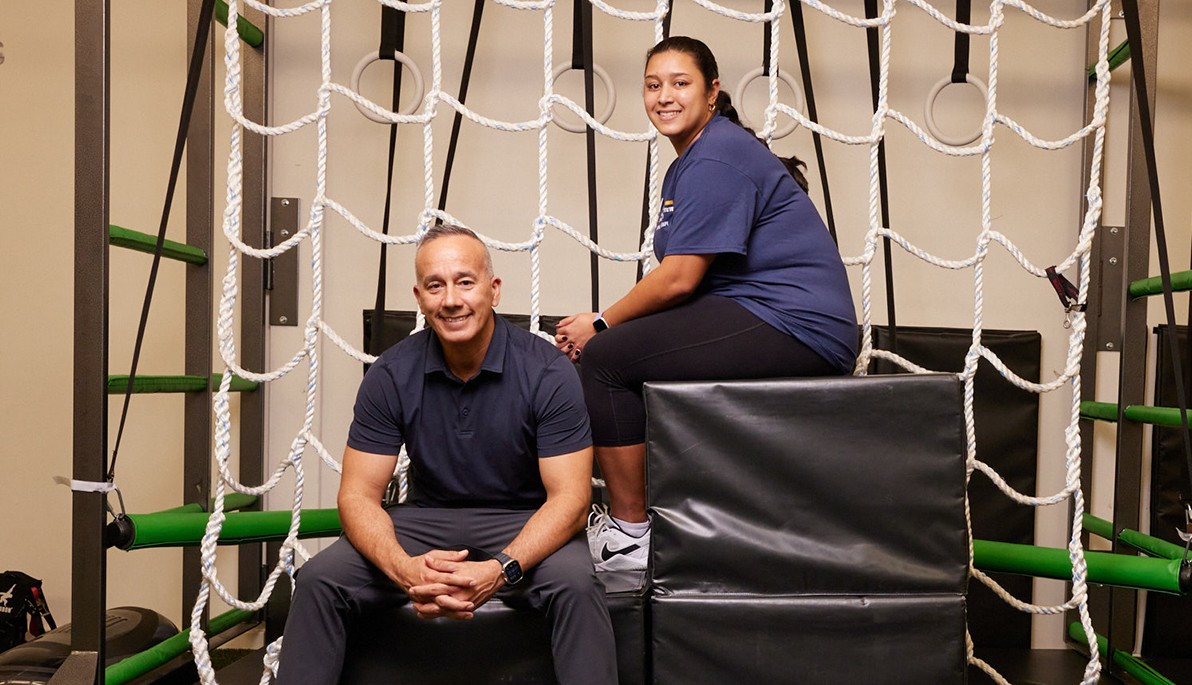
(442, 230)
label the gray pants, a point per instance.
(339, 584)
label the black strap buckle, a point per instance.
(1067, 292)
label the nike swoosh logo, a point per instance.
(606, 553)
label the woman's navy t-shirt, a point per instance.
(729, 195)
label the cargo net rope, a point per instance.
(437, 102)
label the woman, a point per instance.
(749, 285)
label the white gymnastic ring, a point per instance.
(739, 99)
(929, 111)
(401, 58)
(610, 101)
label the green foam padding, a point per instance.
(249, 33)
(1107, 411)
(1161, 575)
(233, 502)
(139, 664)
(1180, 282)
(187, 529)
(143, 242)
(118, 384)
(1140, 541)
(1128, 662)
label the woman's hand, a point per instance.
(573, 333)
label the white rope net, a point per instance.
(438, 102)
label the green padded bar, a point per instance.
(186, 530)
(1162, 575)
(1180, 282)
(1117, 57)
(249, 33)
(232, 502)
(1139, 541)
(143, 242)
(1128, 662)
(1107, 411)
(139, 664)
(118, 384)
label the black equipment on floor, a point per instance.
(130, 630)
(23, 609)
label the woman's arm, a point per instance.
(675, 279)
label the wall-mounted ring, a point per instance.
(401, 58)
(610, 100)
(929, 111)
(739, 95)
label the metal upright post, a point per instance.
(90, 439)
(254, 75)
(200, 176)
(1123, 602)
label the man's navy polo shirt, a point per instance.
(473, 444)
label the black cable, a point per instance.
(809, 92)
(1134, 34)
(871, 35)
(581, 58)
(198, 50)
(393, 36)
(960, 60)
(469, 60)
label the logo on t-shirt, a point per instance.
(668, 206)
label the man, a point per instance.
(500, 448)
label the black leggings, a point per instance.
(706, 338)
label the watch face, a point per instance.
(513, 571)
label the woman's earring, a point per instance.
(711, 107)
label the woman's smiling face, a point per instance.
(677, 101)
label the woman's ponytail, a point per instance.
(794, 165)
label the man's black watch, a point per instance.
(599, 323)
(509, 567)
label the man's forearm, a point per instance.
(370, 530)
(556, 522)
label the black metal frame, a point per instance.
(1121, 256)
(91, 293)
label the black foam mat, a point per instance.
(851, 485)
(1165, 630)
(911, 640)
(1006, 419)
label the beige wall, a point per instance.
(935, 202)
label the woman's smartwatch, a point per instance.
(509, 567)
(599, 323)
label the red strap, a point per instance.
(1067, 292)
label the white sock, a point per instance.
(632, 529)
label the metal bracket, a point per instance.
(1110, 247)
(282, 275)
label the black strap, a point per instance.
(465, 79)
(1134, 35)
(769, 7)
(393, 36)
(1068, 293)
(645, 223)
(581, 58)
(872, 37)
(809, 92)
(198, 50)
(960, 63)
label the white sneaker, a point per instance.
(613, 549)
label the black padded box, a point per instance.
(851, 485)
(829, 640)
(808, 530)
(502, 644)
